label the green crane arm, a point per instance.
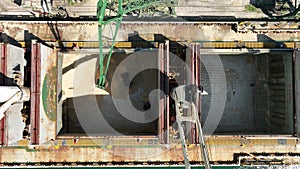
(124, 7)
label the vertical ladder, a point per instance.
(185, 97)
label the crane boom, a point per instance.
(123, 7)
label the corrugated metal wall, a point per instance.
(280, 92)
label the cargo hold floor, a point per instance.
(257, 96)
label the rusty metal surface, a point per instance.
(297, 90)
(195, 66)
(15, 71)
(34, 93)
(59, 123)
(161, 101)
(3, 63)
(163, 62)
(43, 93)
(184, 8)
(221, 148)
(2, 132)
(48, 89)
(2, 82)
(87, 31)
(11, 73)
(166, 90)
(216, 8)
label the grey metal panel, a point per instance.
(13, 118)
(15, 63)
(261, 92)
(12, 72)
(161, 83)
(14, 124)
(297, 91)
(238, 115)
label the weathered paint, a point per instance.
(280, 92)
(167, 89)
(48, 88)
(161, 101)
(195, 69)
(59, 93)
(87, 31)
(163, 121)
(2, 82)
(34, 93)
(297, 91)
(12, 64)
(44, 93)
(3, 63)
(3, 71)
(221, 148)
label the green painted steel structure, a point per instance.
(123, 7)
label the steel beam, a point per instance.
(3, 62)
(166, 90)
(191, 126)
(161, 124)
(3, 71)
(195, 65)
(163, 61)
(35, 91)
(44, 95)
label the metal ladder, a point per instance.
(185, 96)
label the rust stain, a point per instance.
(180, 31)
(13, 31)
(220, 148)
(81, 37)
(1, 28)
